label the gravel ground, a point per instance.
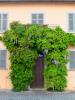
(36, 95)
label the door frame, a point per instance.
(29, 87)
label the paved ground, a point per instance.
(36, 95)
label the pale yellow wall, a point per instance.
(5, 82)
(71, 74)
(54, 14)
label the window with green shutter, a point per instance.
(3, 58)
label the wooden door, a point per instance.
(38, 73)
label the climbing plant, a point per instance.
(26, 42)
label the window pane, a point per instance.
(0, 16)
(70, 22)
(37, 18)
(72, 59)
(34, 21)
(3, 54)
(0, 25)
(0, 22)
(74, 22)
(3, 22)
(4, 25)
(5, 16)
(40, 22)
(40, 16)
(34, 16)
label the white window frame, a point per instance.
(73, 69)
(1, 31)
(4, 68)
(72, 12)
(37, 19)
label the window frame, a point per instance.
(70, 68)
(37, 19)
(1, 31)
(4, 68)
(73, 32)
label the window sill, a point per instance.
(72, 32)
(3, 68)
(71, 69)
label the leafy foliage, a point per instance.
(22, 58)
(0, 38)
(26, 42)
(22, 66)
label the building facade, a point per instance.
(50, 12)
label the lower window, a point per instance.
(72, 59)
(3, 57)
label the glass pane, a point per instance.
(74, 22)
(72, 59)
(34, 21)
(40, 22)
(5, 16)
(4, 25)
(34, 16)
(40, 16)
(0, 25)
(70, 22)
(3, 54)
(0, 16)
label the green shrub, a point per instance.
(22, 65)
(22, 58)
(26, 42)
(55, 77)
(0, 38)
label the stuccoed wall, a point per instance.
(54, 14)
(5, 82)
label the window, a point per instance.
(3, 55)
(72, 22)
(37, 18)
(3, 22)
(72, 59)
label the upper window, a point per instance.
(72, 22)
(3, 55)
(72, 59)
(3, 22)
(37, 18)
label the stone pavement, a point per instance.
(36, 95)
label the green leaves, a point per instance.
(23, 62)
(55, 77)
(33, 40)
